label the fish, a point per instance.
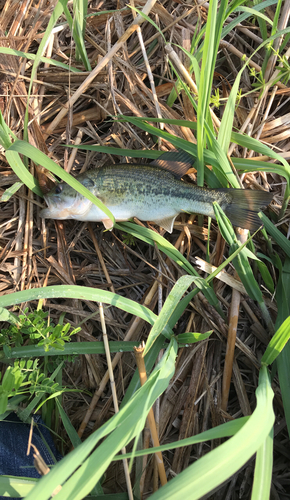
(152, 192)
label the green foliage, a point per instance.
(129, 239)
(25, 377)
(36, 328)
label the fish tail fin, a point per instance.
(244, 207)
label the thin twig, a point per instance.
(114, 394)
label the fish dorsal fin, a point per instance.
(166, 223)
(176, 162)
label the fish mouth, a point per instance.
(54, 209)
(64, 209)
(45, 213)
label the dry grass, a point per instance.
(35, 253)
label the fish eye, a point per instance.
(58, 189)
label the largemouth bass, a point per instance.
(151, 193)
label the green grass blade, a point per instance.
(247, 165)
(225, 131)
(251, 143)
(257, 14)
(178, 142)
(192, 337)
(263, 470)
(14, 487)
(168, 308)
(15, 162)
(283, 360)
(82, 293)
(228, 429)
(241, 263)
(283, 365)
(40, 158)
(81, 468)
(280, 239)
(217, 466)
(277, 343)
(132, 153)
(150, 237)
(149, 20)
(10, 191)
(21, 171)
(77, 26)
(32, 57)
(69, 349)
(205, 84)
(239, 19)
(70, 430)
(222, 158)
(56, 13)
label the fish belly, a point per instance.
(148, 210)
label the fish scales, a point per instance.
(138, 185)
(150, 193)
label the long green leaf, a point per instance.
(168, 309)
(12, 486)
(279, 237)
(82, 293)
(82, 468)
(32, 57)
(73, 348)
(77, 27)
(228, 429)
(217, 466)
(277, 343)
(40, 158)
(205, 84)
(21, 171)
(263, 470)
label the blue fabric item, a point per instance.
(14, 436)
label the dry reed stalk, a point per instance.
(232, 333)
(139, 355)
(114, 394)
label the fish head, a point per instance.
(64, 202)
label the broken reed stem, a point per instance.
(114, 394)
(103, 62)
(242, 235)
(231, 342)
(139, 351)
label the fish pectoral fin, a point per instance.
(176, 162)
(166, 223)
(108, 224)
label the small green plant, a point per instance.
(26, 378)
(35, 327)
(215, 99)
(129, 239)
